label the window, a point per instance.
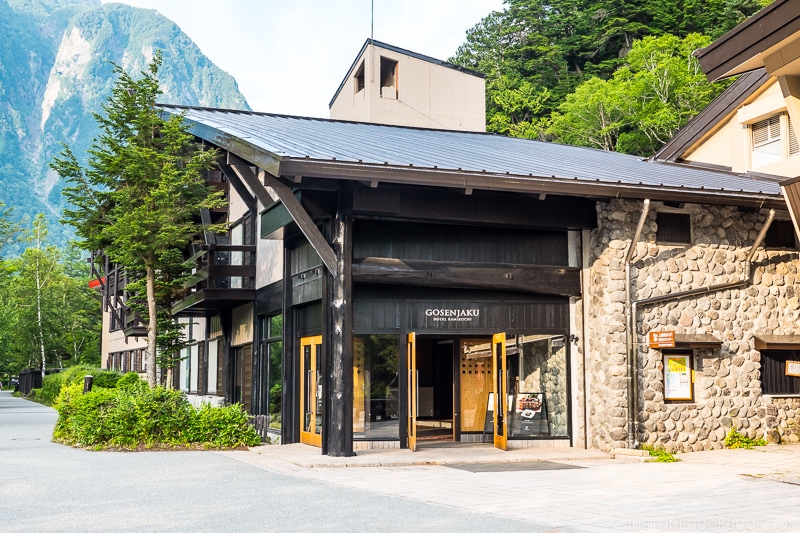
(358, 79)
(376, 384)
(237, 258)
(673, 228)
(781, 235)
(538, 380)
(213, 351)
(388, 78)
(271, 331)
(774, 139)
(773, 372)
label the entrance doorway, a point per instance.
(451, 389)
(310, 364)
(487, 389)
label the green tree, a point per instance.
(555, 45)
(141, 190)
(658, 90)
(48, 317)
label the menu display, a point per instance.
(677, 377)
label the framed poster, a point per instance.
(793, 368)
(678, 377)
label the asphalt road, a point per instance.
(48, 487)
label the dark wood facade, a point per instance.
(406, 249)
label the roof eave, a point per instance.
(469, 181)
(733, 53)
(251, 153)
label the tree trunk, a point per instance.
(39, 283)
(152, 324)
(39, 315)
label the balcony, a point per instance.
(224, 278)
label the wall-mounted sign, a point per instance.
(662, 339)
(793, 368)
(678, 377)
(452, 315)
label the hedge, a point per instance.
(134, 416)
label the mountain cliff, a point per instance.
(55, 71)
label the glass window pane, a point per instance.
(375, 391)
(275, 351)
(538, 373)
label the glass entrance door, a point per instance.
(311, 390)
(413, 389)
(500, 390)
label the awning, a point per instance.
(777, 342)
(697, 341)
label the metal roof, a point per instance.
(275, 142)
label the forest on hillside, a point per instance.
(610, 74)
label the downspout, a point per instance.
(633, 381)
(633, 440)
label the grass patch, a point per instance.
(734, 440)
(661, 455)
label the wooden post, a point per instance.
(340, 426)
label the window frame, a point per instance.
(674, 213)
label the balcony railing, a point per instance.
(224, 277)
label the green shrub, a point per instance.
(224, 427)
(734, 439)
(662, 455)
(132, 380)
(134, 416)
(52, 383)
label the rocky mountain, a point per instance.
(55, 71)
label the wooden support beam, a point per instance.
(246, 174)
(295, 209)
(234, 179)
(292, 204)
(791, 192)
(536, 279)
(340, 362)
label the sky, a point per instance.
(289, 56)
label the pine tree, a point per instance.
(139, 197)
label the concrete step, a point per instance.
(632, 456)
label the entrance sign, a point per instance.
(677, 377)
(662, 339)
(452, 315)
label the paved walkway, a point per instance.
(571, 490)
(426, 454)
(48, 487)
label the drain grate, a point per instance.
(519, 466)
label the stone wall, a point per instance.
(727, 386)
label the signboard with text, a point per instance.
(662, 339)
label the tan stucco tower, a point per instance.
(389, 85)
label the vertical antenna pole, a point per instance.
(372, 23)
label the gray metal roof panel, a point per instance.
(292, 137)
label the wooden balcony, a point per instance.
(224, 278)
